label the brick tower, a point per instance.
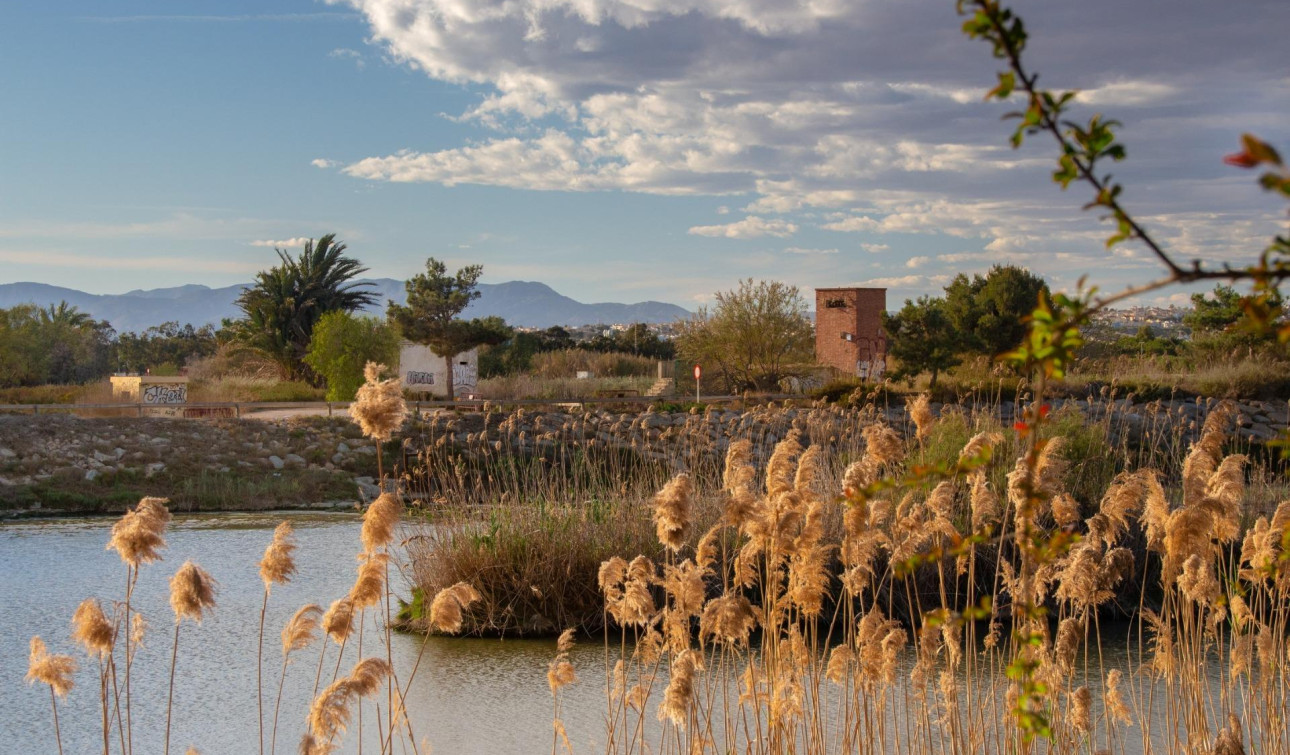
(848, 330)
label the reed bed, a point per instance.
(764, 634)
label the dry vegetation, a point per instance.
(829, 583)
(952, 614)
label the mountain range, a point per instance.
(526, 304)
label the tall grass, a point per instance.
(953, 614)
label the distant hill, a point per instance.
(521, 303)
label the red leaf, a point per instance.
(1241, 160)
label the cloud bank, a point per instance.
(847, 117)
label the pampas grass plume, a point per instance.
(446, 609)
(370, 585)
(55, 670)
(329, 714)
(91, 628)
(560, 671)
(138, 535)
(278, 563)
(192, 592)
(299, 630)
(338, 621)
(367, 676)
(920, 411)
(728, 619)
(378, 407)
(679, 694)
(379, 521)
(672, 511)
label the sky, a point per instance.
(618, 150)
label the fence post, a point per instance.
(139, 408)
(237, 410)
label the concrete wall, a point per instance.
(149, 389)
(848, 330)
(424, 371)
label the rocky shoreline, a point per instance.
(62, 465)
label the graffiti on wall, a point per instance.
(164, 394)
(419, 378)
(871, 363)
(465, 378)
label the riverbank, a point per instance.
(52, 465)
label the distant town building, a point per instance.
(848, 330)
(424, 371)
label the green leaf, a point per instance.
(1260, 150)
(1007, 83)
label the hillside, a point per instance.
(521, 303)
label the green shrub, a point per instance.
(343, 344)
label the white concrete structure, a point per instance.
(150, 389)
(424, 371)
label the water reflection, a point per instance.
(469, 696)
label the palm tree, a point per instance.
(286, 302)
(64, 314)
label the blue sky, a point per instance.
(618, 150)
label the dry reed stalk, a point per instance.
(560, 673)
(276, 567)
(378, 407)
(379, 521)
(672, 511)
(330, 712)
(137, 537)
(920, 413)
(56, 672)
(192, 594)
(97, 634)
(446, 609)
(298, 633)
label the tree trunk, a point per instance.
(448, 362)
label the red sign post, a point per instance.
(698, 373)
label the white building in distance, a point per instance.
(423, 371)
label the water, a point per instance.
(468, 696)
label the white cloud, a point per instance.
(800, 250)
(903, 281)
(874, 248)
(322, 162)
(344, 53)
(750, 227)
(1126, 93)
(294, 241)
(853, 224)
(914, 263)
(857, 111)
